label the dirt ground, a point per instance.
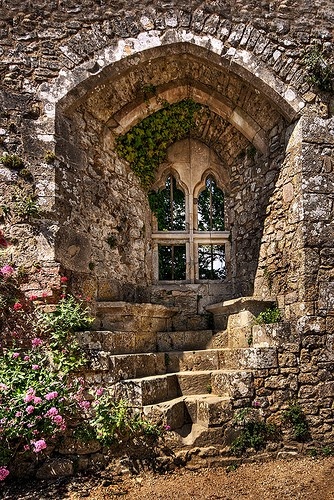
(304, 478)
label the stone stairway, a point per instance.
(183, 380)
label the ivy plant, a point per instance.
(145, 145)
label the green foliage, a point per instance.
(145, 145)
(69, 316)
(254, 433)
(49, 157)
(26, 205)
(116, 422)
(14, 162)
(295, 417)
(320, 71)
(270, 315)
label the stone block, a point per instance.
(155, 389)
(171, 413)
(123, 367)
(213, 411)
(252, 358)
(236, 384)
(123, 342)
(145, 342)
(194, 383)
(98, 360)
(72, 446)
(169, 341)
(55, 468)
(239, 337)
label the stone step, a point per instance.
(237, 384)
(130, 342)
(127, 317)
(183, 340)
(223, 358)
(148, 390)
(224, 368)
(205, 409)
(159, 388)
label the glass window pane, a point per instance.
(168, 205)
(211, 262)
(172, 262)
(210, 206)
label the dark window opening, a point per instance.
(211, 207)
(211, 262)
(169, 207)
(172, 262)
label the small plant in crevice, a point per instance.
(295, 418)
(320, 70)
(112, 240)
(49, 157)
(25, 205)
(14, 162)
(270, 315)
(254, 433)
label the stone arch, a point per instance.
(73, 84)
(89, 118)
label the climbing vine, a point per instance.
(145, 145)
(320, 70)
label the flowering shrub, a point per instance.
(41, 392)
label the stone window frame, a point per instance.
(191, 237)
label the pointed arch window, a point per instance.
(210, 207)
(189, 235)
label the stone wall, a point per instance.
(72, 79)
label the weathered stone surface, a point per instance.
(273, 133)
(55, 468)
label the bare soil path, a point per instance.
(305, 478)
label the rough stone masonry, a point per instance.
(72, 80)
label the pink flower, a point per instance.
(52, 412)
(29, 396)
(35, 367)
(51, 395)
(26, 358)
(30, 409)
(37, 400)
(3, 473)
(84, 404)
(100, 391)
(17, 306)
(4, 387)
(63, 279)
(45, 294)
(26, 447)
(39, 445)
(36, 342)
(167, 427)
(58, 419)
(6, 270)
(15, 355)
(33, 297)
(18, 414)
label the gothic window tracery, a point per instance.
(189, 232)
